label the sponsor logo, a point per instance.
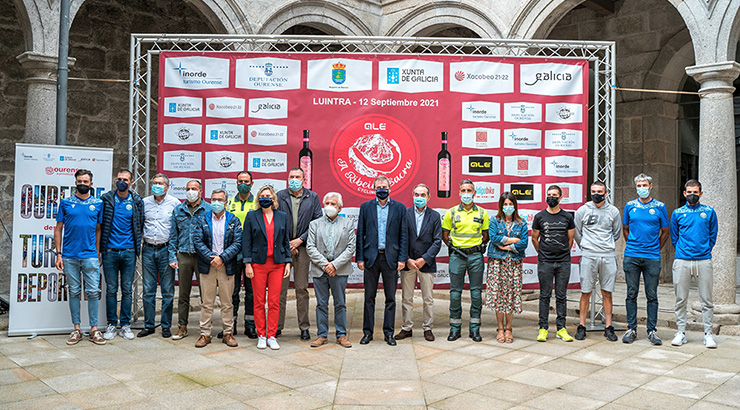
(196, 73)
(563, 139)
(48, 157)
(340, 75)
(268, 162)
(481, 77)
(551, 79)
(481, 111)
(267, 134)
(523, 138)
(522, 165)
(487, 192)
(27, 157)
(564, 166)
(268, 74)
(225, 107)
(276, 184)
(225, 134)
(522, 112)
(60, 171)
(481, 165)
(411, 76)
(393, 75)
(181, 161)
(572, 193)
(182, 133)
(268, 108)
(183, 107)
(481, 138)
(218, 183)
(564, 113)
(224, 161)
(524, 192)
(374, 145)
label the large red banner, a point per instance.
(512, 124)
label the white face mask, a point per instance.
(192, 195)
(330, 211)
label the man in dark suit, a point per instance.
(382, 250)
(424, 227)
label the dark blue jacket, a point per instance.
(254, 238)
(429, 241)
(308, 210)
(137, 219)
(396, 234)
(203, 242)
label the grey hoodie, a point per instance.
(597, 229)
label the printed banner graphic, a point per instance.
(513, 124)
(44, 175)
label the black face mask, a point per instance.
(692, 199)
(598, 198)
(382, 193)
(83, 189)
(552, 201)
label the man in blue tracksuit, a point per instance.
(693, 234)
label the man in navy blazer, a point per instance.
(424, 227)
(382, 250)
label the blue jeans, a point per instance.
(155, 265)
(474, 265)
(650, 269)
(337, 284)
(74, 271)
(547, 273)
(121, 261)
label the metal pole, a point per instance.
(62, 72)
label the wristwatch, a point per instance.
(57, 253)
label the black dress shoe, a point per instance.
(366, 339)
(220, 335)
(145, 332)
(476, 336)
(305, 335)
(453, 336)
(250, 332)
(390, 340)
(166, 333)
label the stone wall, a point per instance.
(646, 135)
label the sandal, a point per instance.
(501, 336)
(509, 336)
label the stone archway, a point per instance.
(432, 17)
(321, 15)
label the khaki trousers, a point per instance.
(426, 283)
(301, 264)
(216, 282)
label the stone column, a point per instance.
(42, 96)
(718, 177)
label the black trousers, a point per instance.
(239, 279)
(390, 280)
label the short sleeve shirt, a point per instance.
(122, 231)
(467, 230)
(553, 235)
(645, 222)
(80, 218)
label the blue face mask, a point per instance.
(217, 206)
(265, 202)
(121, 185)
(466, 198)
(420, 202)
(382, 193)
(295, 184)
(508, 210)
(643, 192)
(157, 189)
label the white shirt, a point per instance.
(219, 228)
(157, 218)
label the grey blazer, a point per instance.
(343, 253)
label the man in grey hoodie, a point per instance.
(598, 226)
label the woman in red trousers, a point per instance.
(266, 261)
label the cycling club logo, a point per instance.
(374, 145)
(339, 73)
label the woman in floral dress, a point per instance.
(509, 236)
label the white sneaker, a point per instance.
(272, 342)
(126, 332)
(262, 342)
(110, 332)
(709, 341)
(679, 339)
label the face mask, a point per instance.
(217, 206)
(157, 189)
(244, 188)
(265, 202)
(597, 198)
(643, 192)
(83, 189)
(330, 211)
(295, 184)
(508, 210)
(192, 195)
(692, 199)
(121, 185)
(420, 202)
(553, 201)
(382, 193)
(466, 198)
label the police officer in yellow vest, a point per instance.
(465, 232)
(242, 203)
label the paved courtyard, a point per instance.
(160, 373)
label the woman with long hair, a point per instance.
(509, 236)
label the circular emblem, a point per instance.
(225, 161)
(374, 145)
(211, 106)
(184, 134)
(703, 215)
(651, 211)
(92, 207)
(49, 170)
(459, 76)
(253, 133)
(564, 113)
(128, 207)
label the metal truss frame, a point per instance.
(600, 54)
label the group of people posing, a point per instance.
(256, 238)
